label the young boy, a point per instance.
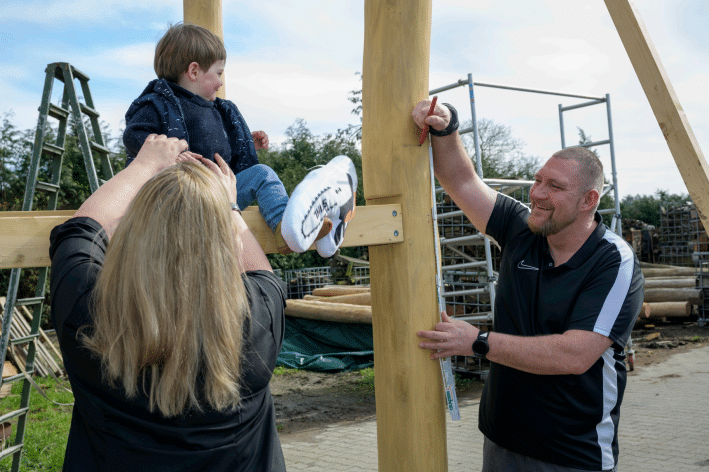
(182, 102)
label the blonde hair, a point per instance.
(169, 304)
(183, 44)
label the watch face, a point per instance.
(481, 347)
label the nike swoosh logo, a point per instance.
(522, 265)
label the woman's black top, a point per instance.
(111, 432)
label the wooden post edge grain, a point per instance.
(664, 103)
(208, 14)
(411, 420)
(24, 235)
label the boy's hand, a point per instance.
(260, 139)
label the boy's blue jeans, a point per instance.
(261, 183)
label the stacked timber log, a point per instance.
(47, 360)
(670, 291)
(337, 303)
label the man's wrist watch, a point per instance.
(235, 207)
(480, 345)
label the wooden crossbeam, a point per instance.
(664, 103)
(24, 236)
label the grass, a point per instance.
(47, 428)
(285, 371)
(366, 382)
(464, 383)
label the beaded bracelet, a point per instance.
(452, 125)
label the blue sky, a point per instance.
(298, 59)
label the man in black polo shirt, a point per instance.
(568, 293)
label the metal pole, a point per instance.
(478, 158)
(561, 126)
(616, 223)
(544, 92)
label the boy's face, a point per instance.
(210, 81)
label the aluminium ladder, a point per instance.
(54, 152)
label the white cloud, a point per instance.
(273, 96)
(80, 13)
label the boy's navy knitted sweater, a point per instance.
(208, 127)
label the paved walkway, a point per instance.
(664, 426)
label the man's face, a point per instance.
(210, 81)
(555, 197)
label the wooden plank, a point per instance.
(664, 103)
(208, 14)
(24, 236)
(411, 431)
(354, 299)
(42, 356)
(337, 290)
(336, 312)
(42, 334)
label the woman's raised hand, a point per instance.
(223, 173)
(161, 151)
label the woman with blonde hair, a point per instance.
(169, 319)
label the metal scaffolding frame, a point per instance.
(470, 277)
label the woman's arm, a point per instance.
(108, 204)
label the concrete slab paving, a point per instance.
(664, 426)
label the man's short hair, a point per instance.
(183, 44)
(590, 167)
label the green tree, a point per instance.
(15, 155)
(649, 208)
(353, 133)
(501, 154)
(15, 150)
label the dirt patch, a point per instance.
(312, 400)
(307, 400)
(654, 342)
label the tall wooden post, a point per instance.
(208, 14)
(409, 389)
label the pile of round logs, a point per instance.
(670, 291)
(338, 303)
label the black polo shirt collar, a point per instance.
(588, 247)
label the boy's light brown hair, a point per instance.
(183, 44)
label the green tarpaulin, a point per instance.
(326, 346)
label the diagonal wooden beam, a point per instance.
(24, 235)
(664, 103)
